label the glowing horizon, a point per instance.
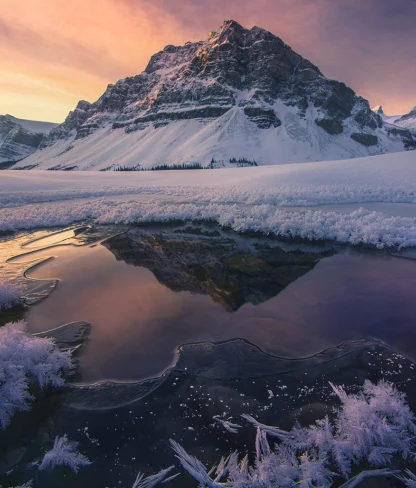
(54, 53)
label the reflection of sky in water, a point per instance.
(137, 323)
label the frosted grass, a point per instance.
(357, 227)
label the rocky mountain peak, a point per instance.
(247, 80)
(379, 110)
(84, 105)
(231, 31)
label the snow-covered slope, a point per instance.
(408, 121)
(240, 94)
(20, 137)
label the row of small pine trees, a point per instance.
(161, 167)
(240, 163)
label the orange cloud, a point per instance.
(54, 52)
(72, 50)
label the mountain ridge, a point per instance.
(405, 121)
(20, 137)
(240, 93)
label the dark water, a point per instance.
(146, 291)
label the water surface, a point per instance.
(145, 292)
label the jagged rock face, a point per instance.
(263, 118)
(235, 66)
(72, 125)
(16, 142)
(379, 110)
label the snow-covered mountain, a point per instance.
(386, 118)
(406, 121)
(20, 137)
(242, 93)
(37, 126)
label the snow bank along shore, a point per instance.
(369, 200)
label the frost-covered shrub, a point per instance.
(9, 294)
(370, 427)
(26, 360)
(64, 453)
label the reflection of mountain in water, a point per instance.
(232, 269)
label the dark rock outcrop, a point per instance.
(365, 139)
(331, 126)
(263, 118)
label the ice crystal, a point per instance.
(64, 453)
(9, 294)
(371, 427)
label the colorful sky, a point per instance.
(56, 52)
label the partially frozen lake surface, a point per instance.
(235, 306)
(148, 290)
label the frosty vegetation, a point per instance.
(64, 453)
(357, 227)
(9, 294)
(26, 360)
(371, 427)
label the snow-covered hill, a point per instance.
(240, 94)
(20, 137)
